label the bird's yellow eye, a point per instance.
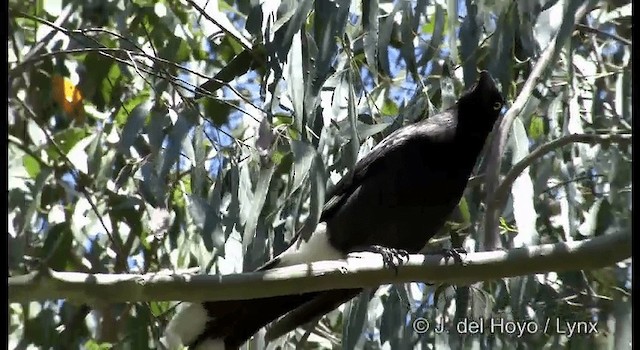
(497, 106)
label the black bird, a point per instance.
(397, 197)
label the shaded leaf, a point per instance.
(318, 181)
(133, 125)
(408, 50)
(469, 34)
(331, 18)
(259, 196)
(391, 318)
(354, 142)
(40, 182)
(501, 62)
(158, 120)
(370, 27)
(356, 315)
(176, 136)
(57, 246)
(216, 111)
(384, 38)
(303, 155)
(237, 67)
(126, 108)
(435, 27)
(452, 10)
(176, 50)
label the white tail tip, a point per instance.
(187, 324)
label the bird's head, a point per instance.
(482, 102)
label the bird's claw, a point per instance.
(392, 257)
(455, 253)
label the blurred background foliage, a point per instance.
(175, 134)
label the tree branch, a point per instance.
(502, 192)
(499, 140)
(597, 31)
(361, 270)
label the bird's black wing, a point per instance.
(374, 161)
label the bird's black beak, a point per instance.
(485, 81)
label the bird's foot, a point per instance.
(392, 257)
(455, 253)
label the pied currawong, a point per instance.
(396, 198)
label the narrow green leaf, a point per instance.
(216, 111)
(463, 207)
(232, 219)
(36, 193)
(566, 28)
(31, 165)
(501, 59)
(370, 27)
(212, 231)
(384, 39)
(57, 246)
(177, 50)
(364, 130)
(452, 10)
(159, 308)
(354, 141)
(133, 125)
(391, 318)
(536, 127)
(155, 129)
(137, 327)
(318, 181)
(329, 24)
(470, 32)
(389, 108)
(435, 27)
(200, 153)
(303, 155)
(237, 67)
(356, 316)
(93, 345)
(125, 109)
(295, 78)
(259, 197)
(407, 51)
(66, 139)
(177, 136)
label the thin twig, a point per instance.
(499, 141)
(102, 51)
(588, 29)
(244, 42)
(502, 192)
(80, 187)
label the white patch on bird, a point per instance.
(186, 325)
(317, 248)
(211, 344)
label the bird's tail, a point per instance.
(226, 325)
